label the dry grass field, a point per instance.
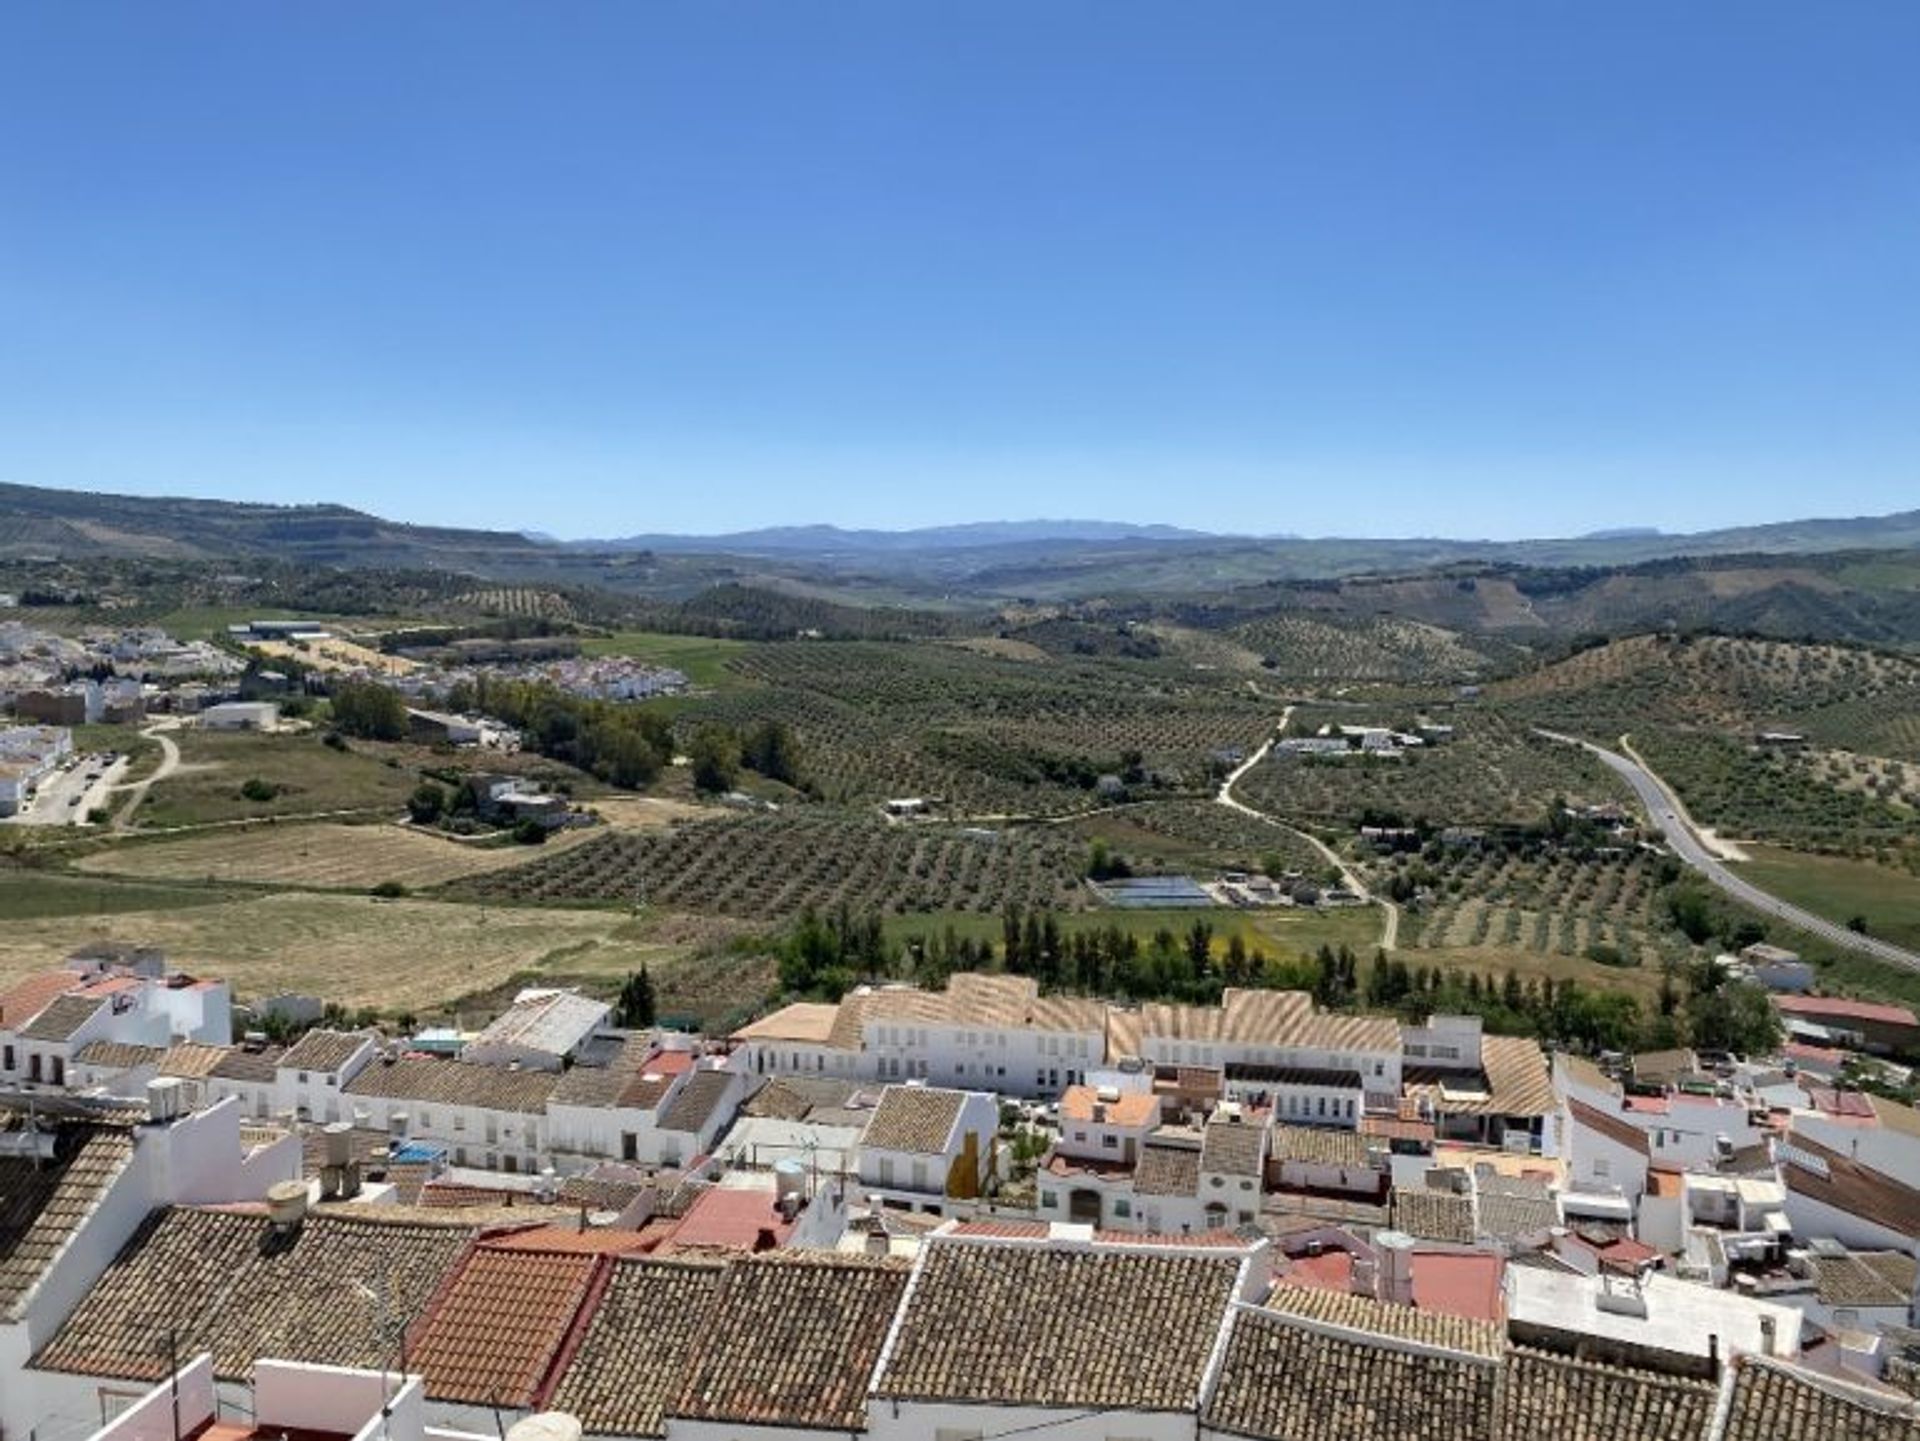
(317, 857)
(337, 654)
(402, 955)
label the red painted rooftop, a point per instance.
(727, 1216)
(1842, 1007)
(1457, 1283)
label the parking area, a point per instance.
(74, 791)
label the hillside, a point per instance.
(73, 525)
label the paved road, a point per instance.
(1390, 927)
(1665, 810)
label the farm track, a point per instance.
(137, 790)
(1390, 924)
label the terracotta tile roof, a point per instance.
(1839, 1008)
(1284, 1378)
(324, 1050)
(228, 1283)
(42, 1204)
(241, 1064)
(1621, 1133)
(1774, 1402)
(916, 1119)
(801, 1337)
(632, 1351)
(601, 1194)
(696, 1101)
(1010, 1323)
(1580, 1069)
(1558, 1397)
(496, 1329)
(453, 1083)
(1133, 1109)
(1383, 1318)
(117, 1055)
(590, 1086)
(1397, 1128)
(1322, 1147)
(30, 995)
(1864, 1278)
(808, 1022)
(1824, 1175)
(1507, 1215)
(567, 1238)
(1232, 1148)
(1169, 1165)
(192, 1061)
(1659, 1067)
(61, 1017)
(1433, 1215)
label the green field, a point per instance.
(1285, 932)
(37, 895)
(703, 658)
(312, 778)
(1842, 889)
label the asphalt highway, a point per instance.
(1686, 844)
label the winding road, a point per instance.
(1390, 927)
(1667, 813)
(137, 790)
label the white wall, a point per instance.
(1891, 1153)
(923, 1421)
(1812, 1219)
(152, 1418)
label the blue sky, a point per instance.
(1465, 268)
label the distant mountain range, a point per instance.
(831, 539)
(987, 560)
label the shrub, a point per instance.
(388, 891)
(255, 789)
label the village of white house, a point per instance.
(929, 1215)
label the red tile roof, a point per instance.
(1330, 1271)
(496, 1329)
(30, 995)
(1840, 1008)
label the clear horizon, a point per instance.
(1485, 273)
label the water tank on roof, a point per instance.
(339, 1143)
(287, 1204)
(546, 1426)
(789, 1179)
(1395, 1250)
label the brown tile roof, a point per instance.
(1824, 1175)
(1864, 1278)
(324, 1050)
(241, 1064)
(1002, 1322)
(1285, 1378)
(800, 1339)
(601, 1194)
(61, 1017)
(696, 1101)
(42, 1204)
(1659, 1067)
(1774, 1402)
(30, 995)
(1169, 1165)
(1433, 1215)
(808, 1022)
(632, 1351)
(225, 1281)
(1382, 1318)
(590, 1086)
(497, 1328)
(1507, 1212)
(1232, 1148)
(1513, 1076)
(1580, 1069)
(919, 1119)
(1320, 1146)
(191, 1061)
(117, 1055)
(453, 1083)
(1605, 1123)
(1557, 1398)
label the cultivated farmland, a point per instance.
(317, 857)
(769, 867)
